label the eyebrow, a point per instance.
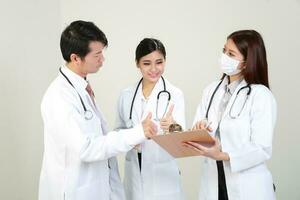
(98, 52)
(230, 50)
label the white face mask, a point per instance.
(229, 66)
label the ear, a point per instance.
(242, 65)
(137, 64)
(75, 58)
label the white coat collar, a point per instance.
(240, 85)
(78, 82)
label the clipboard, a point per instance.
(172, 142)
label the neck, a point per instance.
(74, 68)
(147, 87)
(235, 77)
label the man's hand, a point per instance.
(149, 126)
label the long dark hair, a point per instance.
(251, 46)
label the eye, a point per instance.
(159, 62)
(146, 63)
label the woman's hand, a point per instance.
(203, 124)
(213, 152)
(167, 120)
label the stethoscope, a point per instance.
(157, 100)
(88, 115)
(230, 111)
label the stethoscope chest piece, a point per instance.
(88, 115)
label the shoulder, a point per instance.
(211, 87)
(261, 90)
(174, 90)
(59, 91)
(126, 94)
(262, 93)
(129, 91)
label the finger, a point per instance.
(185, 144)
(209, 129)
(163, 120)
(170, 111)
(198, 125)
(165, 123)
(203, 125)
(198, 146)
(154, 128)
(217, 141)
(194, 127)
(149, 116)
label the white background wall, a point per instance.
(193, 32)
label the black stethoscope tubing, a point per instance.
(87, 113)
(158, 95)
(213, 95)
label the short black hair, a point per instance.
(77, 37)
(147, 46)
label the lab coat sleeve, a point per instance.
(82, 140)
(262, 122)
(202, 107)
(119, 122)
(116, 186)
(179, 110)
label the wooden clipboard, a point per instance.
(172, 142)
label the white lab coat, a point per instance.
(247, 139)
(159, 178)
(79, 162)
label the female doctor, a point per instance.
(240, 112)
(150, 172)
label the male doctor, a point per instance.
(79, 153)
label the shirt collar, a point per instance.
(230, 87)
(154, 91)
(78, 82)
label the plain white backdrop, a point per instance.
(193, 33)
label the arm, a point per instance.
(83, 140)
(119, 122)
(179, 111)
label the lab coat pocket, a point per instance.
(257, 185)
(166, 179)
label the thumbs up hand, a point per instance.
(167, 120)
(149, 126)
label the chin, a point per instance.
(154, 80)
(96, 69)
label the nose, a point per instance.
(102, 59)
(153, 68)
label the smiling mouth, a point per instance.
(153, 75)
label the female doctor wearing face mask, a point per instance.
(240, 112)
(150, 172)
